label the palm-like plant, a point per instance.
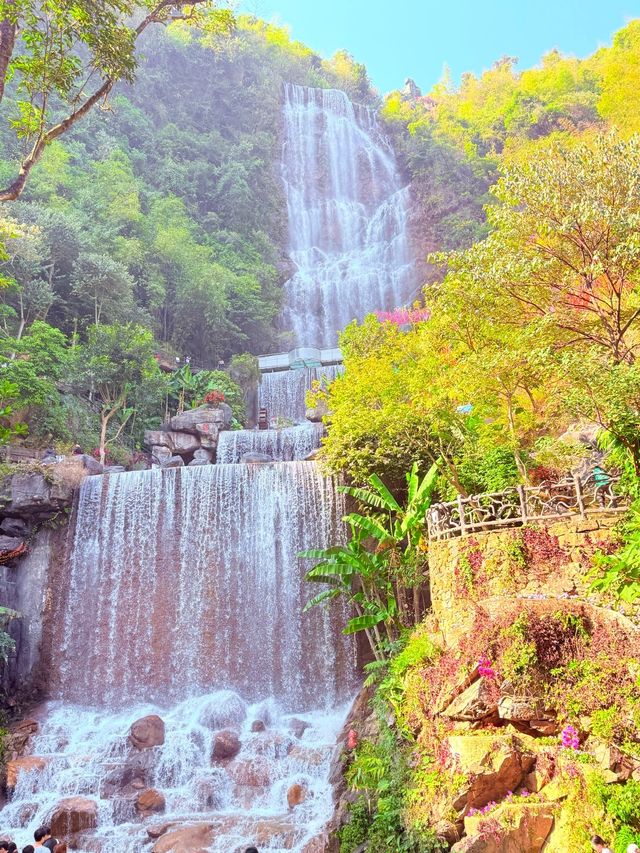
(381, 560)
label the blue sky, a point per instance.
(415, 38)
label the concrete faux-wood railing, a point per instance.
(522, 505)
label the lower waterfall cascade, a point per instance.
(183, 597)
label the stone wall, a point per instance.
(535, 562)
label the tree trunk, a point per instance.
(104, 423)
(8, 32)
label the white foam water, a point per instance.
(347, 213)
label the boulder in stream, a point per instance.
(147, 732)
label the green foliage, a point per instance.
(7, 645)
(9, 392)
(619, 573)
(376, 579)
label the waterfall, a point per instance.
(184, 581)
(347, 213)
(183, 597)
(286, 444)
(283, 393)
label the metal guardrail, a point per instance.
(521, 505)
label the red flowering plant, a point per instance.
(214, 398)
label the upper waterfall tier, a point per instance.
(288, 444)
(181, 582)
(347, 215)
(283, 393)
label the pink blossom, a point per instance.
(403, 316)
(569, 738)
(485, 669)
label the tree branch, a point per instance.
(15, 189)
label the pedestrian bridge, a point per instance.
(299, 358)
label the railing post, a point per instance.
(578, 488)
(463, 526)
(523, 503)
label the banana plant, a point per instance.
(375, 579)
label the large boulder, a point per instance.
(147, 732)
(475, 703)
(184, 442)
(73, 816)
(27, 764)
(226, 745)
(208, 434)
(186, 839)
(523, 829)
(189, 421)
(225, 709)
(493, 764)
(202, 456)
(17, 740)
(296, 795)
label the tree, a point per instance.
(117, 367)
(565, 249)
(9, 392)
(376, 579)
(103, 284)
(65, 58)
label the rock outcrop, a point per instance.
(190, 437)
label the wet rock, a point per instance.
(256, 458)
(226, 745)
(307, 757)
(72, 816)
(296, 795)
(26, 764)
(17, 741)
(316, 845)
(298, 727)
(27, 812)
(258, 726)
(275, 832)
(201, 457)
(157, 438)
(224, 710)
(158, 829)
(275, 745)
(185, 839)
(150, 802)
(147, 732)
(252, 773)
(128, 777)
(209, 793)
(114, 469)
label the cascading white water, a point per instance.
(289, 443)
(187, 580)
(184, 590)
(347, 213)
(226, 806)
(283, 393)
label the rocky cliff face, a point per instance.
(34, 506)
(514, 710)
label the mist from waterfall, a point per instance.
(347, 213)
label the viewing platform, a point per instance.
(299, 358)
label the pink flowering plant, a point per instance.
(569, 738)
(485, 668)
(403, 316)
